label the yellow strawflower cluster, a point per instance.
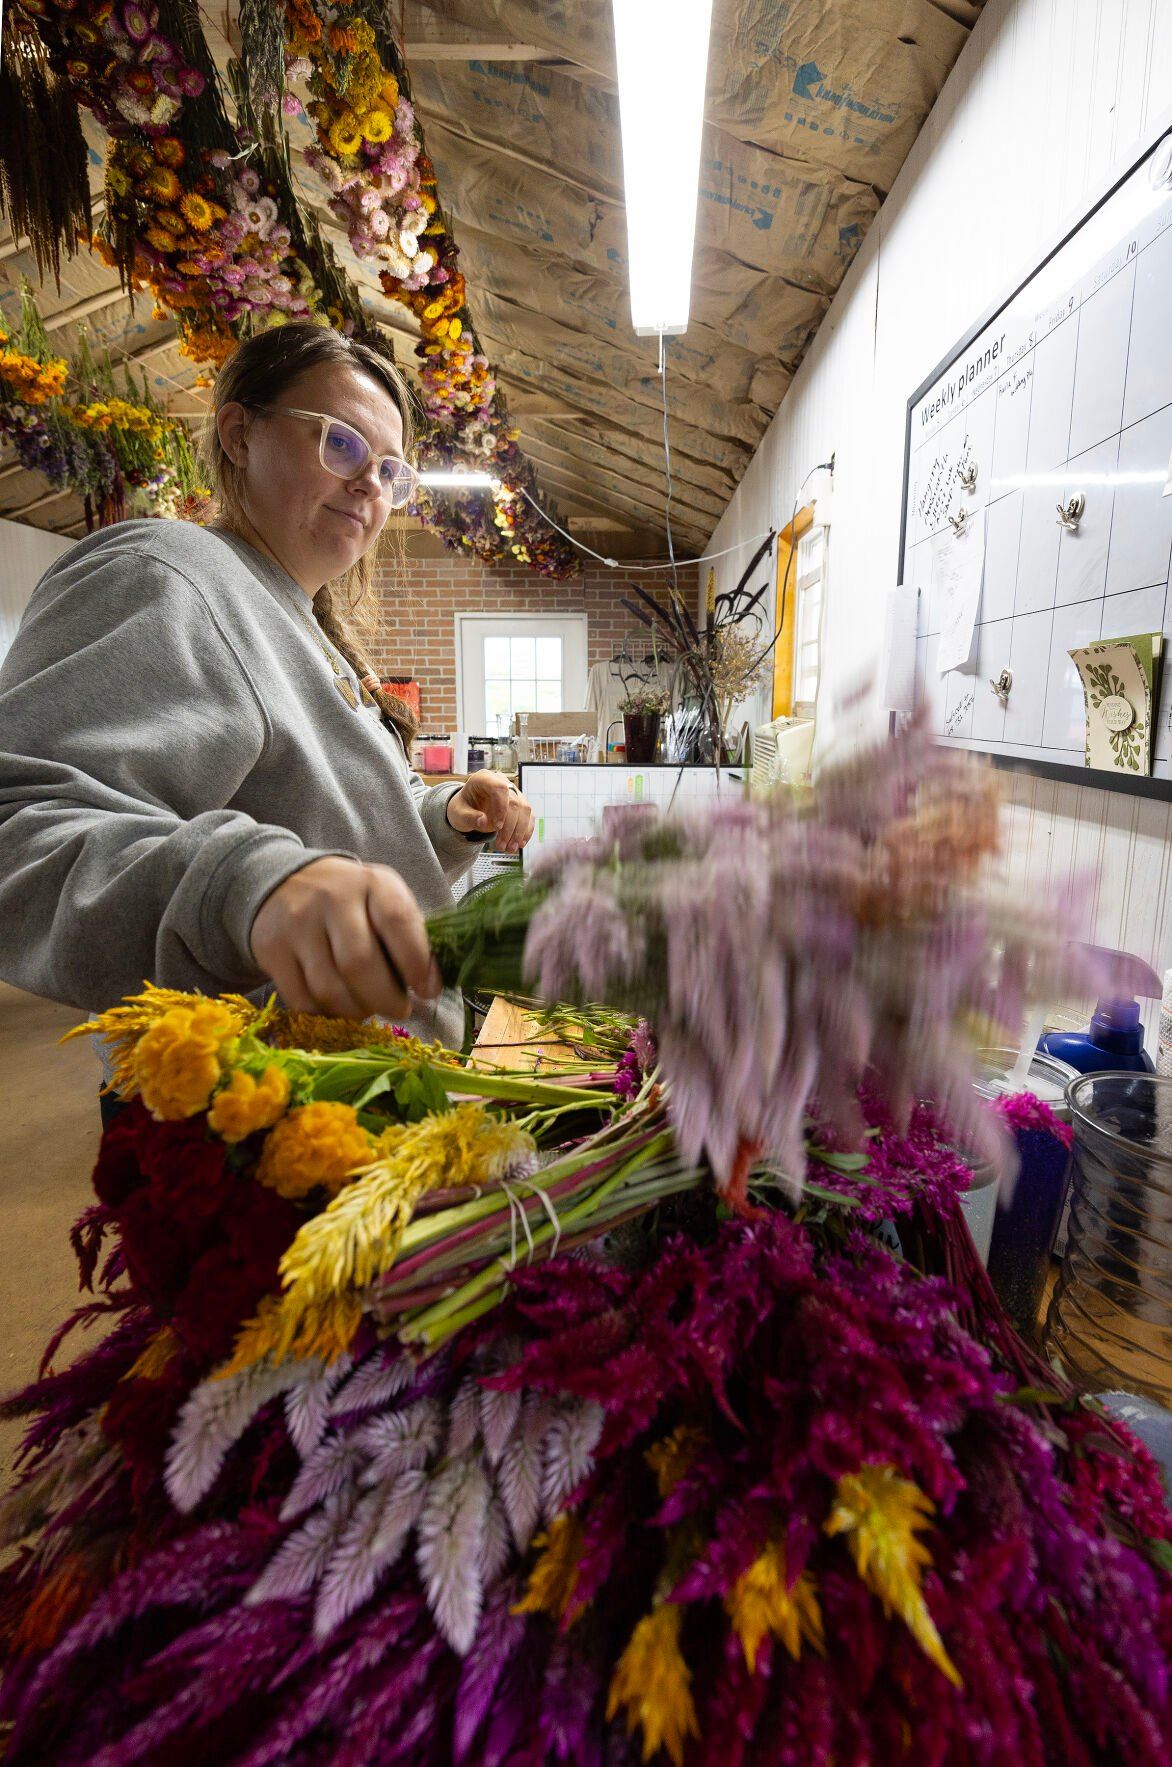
(178, 1063)
(318, 1144)
(654, 1683)
(880, 1515)
(360, 95)
(245, 1105)
(761, 1602)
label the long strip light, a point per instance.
(460, 481)
(662, 54)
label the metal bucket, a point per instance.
(1110, 1320)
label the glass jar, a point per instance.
(504, 756)
(1110, 1321)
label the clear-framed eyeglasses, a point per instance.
(345, 452)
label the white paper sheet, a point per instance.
(957, 563)
(897, 673)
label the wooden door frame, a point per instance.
(787, 573)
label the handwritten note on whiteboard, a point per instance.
(957, 563)
(939, 491)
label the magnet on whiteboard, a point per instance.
(1070, 514)
(1001, 687)
(1160, 165)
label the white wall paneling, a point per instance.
(1049, 101)
(25, 555)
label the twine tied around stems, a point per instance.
(517, 1212)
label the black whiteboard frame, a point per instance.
(1097, 778)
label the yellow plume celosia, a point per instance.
(554, 1577)
(654, 1683)
(340, 1252)
(880, 1515)
(670, 1459)
(321, 1143)
(245, 1105)
(122, 1027)
(155, 1357)
(761, 1602)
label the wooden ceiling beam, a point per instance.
(639, 477)
(83, 309)
(650, 520)
(644, 515)
(15, 515)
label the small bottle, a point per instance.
(1113, 1041)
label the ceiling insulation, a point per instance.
(812, 106)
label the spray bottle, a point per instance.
(1114, 1040)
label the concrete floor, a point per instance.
(49, 1134)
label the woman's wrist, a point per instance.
(463, 819)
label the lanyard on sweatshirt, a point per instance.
(341, 677)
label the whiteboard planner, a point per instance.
(1038, 456)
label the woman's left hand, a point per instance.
(488, 803)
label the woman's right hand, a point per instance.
(347, 939)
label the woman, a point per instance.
(192, 790)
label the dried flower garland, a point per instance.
(371, 159)
(70, 422)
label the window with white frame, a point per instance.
(508, 663)
(811, 571)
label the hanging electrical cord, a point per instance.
(671, 551)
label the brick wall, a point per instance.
(418, 598)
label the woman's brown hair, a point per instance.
(259, 373)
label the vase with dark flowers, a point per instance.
(641, 716)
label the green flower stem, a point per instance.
(445, 1318)
(478, 1083)
(456, 1251)
(470, 1290)
(595, 1152)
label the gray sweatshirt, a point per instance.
(173, 745)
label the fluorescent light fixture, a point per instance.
(460, 481)
(662, 53)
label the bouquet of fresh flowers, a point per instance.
(641, 700)
(454, 1415)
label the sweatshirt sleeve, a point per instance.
(124, 714)
(455, 851)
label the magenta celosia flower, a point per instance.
(1022, 1110)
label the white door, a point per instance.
(508, 663)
